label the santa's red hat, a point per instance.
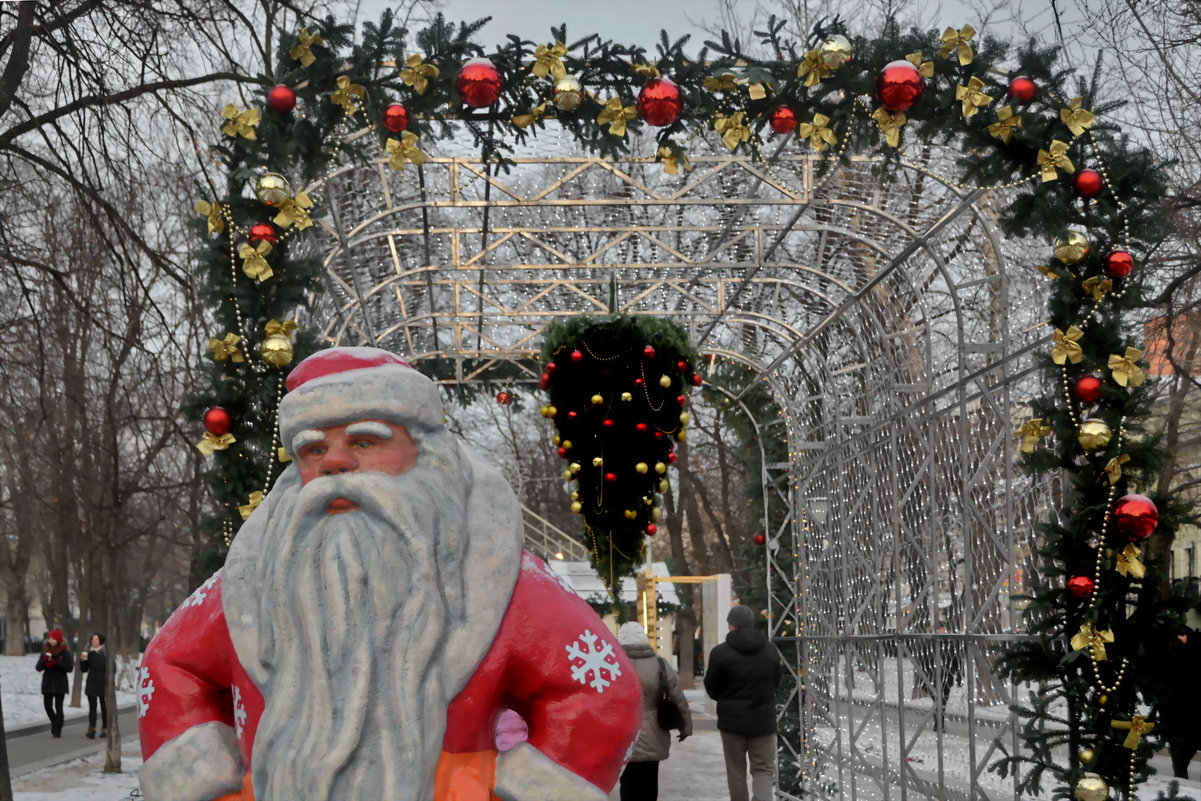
(341, 385)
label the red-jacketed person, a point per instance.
(374, 616)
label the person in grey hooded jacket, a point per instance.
(742, 677)
(640, 778)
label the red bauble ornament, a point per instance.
(1118, 263)
(1022, 89)
(504, 398)
(640, 426)
(396, 118)
(758, 539)
(572, 415)
(671, 457)
(262, 232)
(1081, 586)
(607, 423)
(649, 352)
(611, 477)
(1135, 517)
(562, 452)
(681, 399)
(281, 99)
(658, 435)
(783, 120)
(659, 102)
(697, 379)
(638, 382)
(683, 365)
(544, 381)
(577, 356)
(1087, 389)
(217, 421)
(651, 529)
(479, 83)
(1088, 183)
(550, 367)
(899, 86)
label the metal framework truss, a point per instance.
(877, 303)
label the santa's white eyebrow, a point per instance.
(306, 437)
(372, 428)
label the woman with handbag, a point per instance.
(663, 707)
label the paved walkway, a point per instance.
(31, 748)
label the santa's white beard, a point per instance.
(356, 610)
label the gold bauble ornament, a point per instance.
(574, 467)
(660, 468)
(1085, 756)
(555, 440)
(655, 514)
(597, 400)
(685, 418)
(630, 514)
(662, 486)
(1094, 433)
(568, 475)
(597, 461)
(551, 411)
(1071, 247)
(272, 188)
(577, 507)
(276, 350)
(1091, 787)
(627, 397)
(568, 93)
(647, 500)
(641, 467)
(836, 51)
(682, 436)
(664, 381)
(566, 442)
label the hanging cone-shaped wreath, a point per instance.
(618, 387)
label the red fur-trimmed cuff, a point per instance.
(523, 773)
(201, 764)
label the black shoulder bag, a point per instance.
(667, 713)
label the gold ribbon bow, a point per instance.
(1098, 287)
(301, 52)
(957, 40)
(1054, 159)
(254, 260)
(1031, 432)
(213, 212)
(819, 135)
(1050, 272)
(726, 82)
(890, 125)
(615, 115)
(548, 60)
(349, 95)
(282, 454)
(252, 503)
(757, 91)
(1135, 728)
(294, 211)
(526, 120)
(732, 129)
(226, 348)
(208, 443)
(1113, 468)
(285, 328)
(240, 123)
(813, 68)
(1076, 118)
(404, 149)
(1007, 122)
(971, 97)
(671, 162)
(417, 73)
(646, 70)
(1128, 564)
(1067, 346)
(1125, 371)
(925, 68)
(1094, 640)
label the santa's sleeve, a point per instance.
(185, 710)
(575, 687)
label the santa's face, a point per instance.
(362, 446)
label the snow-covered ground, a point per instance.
(83, 779)
(21, 689)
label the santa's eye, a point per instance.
(363, 443)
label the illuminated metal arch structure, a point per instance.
(879, 306)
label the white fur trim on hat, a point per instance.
(391, 392)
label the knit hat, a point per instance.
(56, 635)
(341, 385)
(742, 617)
(632, 634)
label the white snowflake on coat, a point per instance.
(239, 712)
(201, 592)
(595, 661)
(145, 691)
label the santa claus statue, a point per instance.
(375, 615)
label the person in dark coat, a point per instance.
(94, 662)
(742, 676)
(640, 778)
(55, 665)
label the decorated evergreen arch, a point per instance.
(1019, 120)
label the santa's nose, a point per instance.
(338, 460)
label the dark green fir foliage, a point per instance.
(617, 389)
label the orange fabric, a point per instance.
(245, 794)
(465, 776)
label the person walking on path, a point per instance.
(55, 665)
(742, 676)
(640, 779)
(94, 662)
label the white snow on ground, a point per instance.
(21, 691)
(83, 779)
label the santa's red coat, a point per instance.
(552, 660)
